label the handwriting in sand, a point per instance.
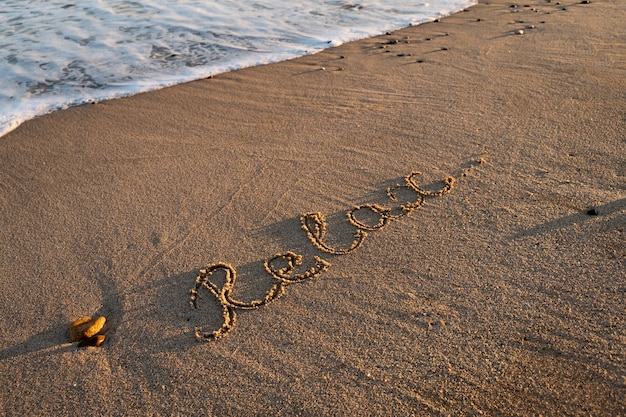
(281, 267)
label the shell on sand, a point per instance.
(86, 327)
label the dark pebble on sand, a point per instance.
(585, 2)
(92, 341)
(592, 212)
(420, 61)
(443, 48)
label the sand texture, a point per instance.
(504, 296)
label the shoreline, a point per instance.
(503, 296)
(165, 80)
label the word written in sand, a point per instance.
(281, 267)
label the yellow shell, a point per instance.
(86, 327)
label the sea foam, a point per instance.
(55, 54)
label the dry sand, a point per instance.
(503, 297)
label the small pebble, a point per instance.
(420, 61)
(519, 32)
(92, 341)
(443, 48)
(436, 20)
(592, 212)
(531, 27)
(585, 2)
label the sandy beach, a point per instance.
(293, 188)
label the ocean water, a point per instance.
(55, 54)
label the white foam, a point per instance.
(55, 54)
